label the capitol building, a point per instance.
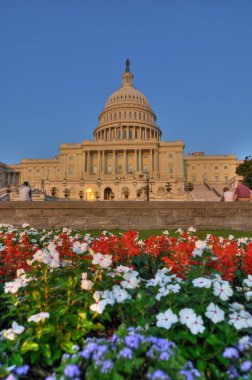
(126, 158)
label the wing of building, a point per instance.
(126, 158)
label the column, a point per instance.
(99, 161)
(113, 163)
(88, 162)
(135, 164)
(84, 161)
(125, 162)
(103, 161)
(140, 160)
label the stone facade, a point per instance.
(126, 156)
(129, 215)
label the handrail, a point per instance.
(207, 186)
(216, 192)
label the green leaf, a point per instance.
(28, 346)
(201, 365)
(16, 359)
(214, 341)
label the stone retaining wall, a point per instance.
(128, 214)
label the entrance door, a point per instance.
(107, 193)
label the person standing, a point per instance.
(242, 192)
(228, 196)
(25, 192)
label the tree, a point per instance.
(245, 170)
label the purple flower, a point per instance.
(190, 373)
(72, 371)
(246, 366)
(158, 375)
(164, 355)
(107, 366)
(22, 370)
(50, 378)
(126, 353)
(11, 377)
(231, 353)
(132, 341)
(232, 373)
(89, 349)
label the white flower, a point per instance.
(236, 320)
(79, 247)
(11, 333)
(236, 306)
(108, 296)
(222, 290)
(214, 313)
(166, 319)
(24, 225)
(13, 286)
(38, 317)
(200, 244)
(131, 282)
(187, 316)
(122, 269)
(105, 261)
(248, 281)
(202, 282)
(231, 237)
(85, 283)
(99, 304)
(191, 229)
(179, 231)
(54, 256)
(18, 329)
(197, 326)
(120, 294)
(248, 295)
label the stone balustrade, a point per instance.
(139, 215)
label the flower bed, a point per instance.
(117, 307)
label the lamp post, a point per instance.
(147, 187)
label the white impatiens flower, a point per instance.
(231, 237)
(24, 225)
(214, 313)
(122, 269)
(200, 244)
(202, 282)
(166, 319)
(105, 261)
(187, 316)
(120, 294)
(248, 281)
(79, 247)
(85, 283)
(99, 305)
(11, 333)
(13, 286)
(130, 280)
(50, 258)
(191, 229)
(197, 326)
(222, 290)
(238, 321)
(38, 317)
(248, 295)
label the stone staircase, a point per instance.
(202, 193)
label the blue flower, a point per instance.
(231, 353)
(72, 371)
(132, 341)
(246, 366)
(107, 366)
(158, 375)
(126, 353)
(22, 370)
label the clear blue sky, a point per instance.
(61, 59)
